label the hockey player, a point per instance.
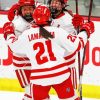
(45, 46)
(61, 16)
(65, 19)
(20, 15)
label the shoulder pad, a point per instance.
(20, 24)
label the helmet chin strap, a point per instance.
(55, 12)
(28, 17)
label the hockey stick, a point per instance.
(84, 52)
(90, 10)
(79, 64)
(81, 67)
(79, 59)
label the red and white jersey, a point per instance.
(46, 55)
(64, 21)
(20, 25)
(20, 61)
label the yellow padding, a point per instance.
(10, 85)
(89, 91)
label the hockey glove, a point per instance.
(77, 21)
(13, 11)
(88, 27)
(8, 29)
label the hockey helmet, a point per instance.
(65, 1)
(27, 15)
(41, 15)
(62, 1)
(26, 2)
(57, 7)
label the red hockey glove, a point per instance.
(12, 11)
(8, 29)
(88, 27)
(77, 21)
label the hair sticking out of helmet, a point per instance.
(26, 2)
(57, 7)
(26, 9)
(15, 9)
(44, 33)
(41, 15)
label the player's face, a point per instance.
(56, 7)
(56, 4)
(27, 12)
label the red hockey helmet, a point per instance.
(26, 2)
(41, 15)
(65, 1)
(62, 1)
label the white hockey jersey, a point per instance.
(20, 60)
(64, 20)
(46, 56)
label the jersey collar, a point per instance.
(62, 14)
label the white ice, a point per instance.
(19, 95)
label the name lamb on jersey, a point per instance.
(37, 36)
